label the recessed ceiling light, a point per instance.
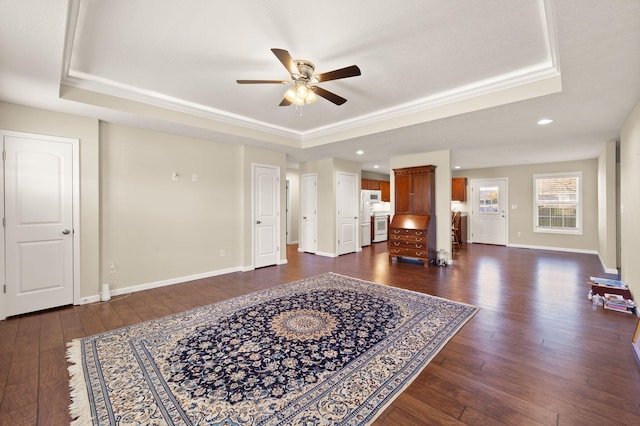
(375, 166)
(545, 121)
(456, 167)
(359, 152)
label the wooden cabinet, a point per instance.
(385, 189)
(383, 186)
(408, 237)
(459, 189)
(370, 184)
(414, 204)
(415, 190)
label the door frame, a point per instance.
(356, 210)
(303, 198)
(278, 241)
(75, 146)
(473, 182)
(287, 210)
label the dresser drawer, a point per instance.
(407, 244)
(413, 238)
(408, 252)
(408, 232)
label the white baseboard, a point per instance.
(607, 270)
(157, 284)
(568, 250)
(636, 350)
(320, 253)
(90, 299)
(565, 249)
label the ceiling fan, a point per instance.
(303, 84)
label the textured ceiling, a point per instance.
(469, 76)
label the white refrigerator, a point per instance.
(368, 198)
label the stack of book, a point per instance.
(616, 302)
(606, 282)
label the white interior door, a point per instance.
(347, 203)
(308, 237)
(39, 238)
(488, 211)
(266, 205)
(288, 211)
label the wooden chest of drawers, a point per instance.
(408, 237)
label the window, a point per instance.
(488, 199)
(557, 203)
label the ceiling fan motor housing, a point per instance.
(306, 69)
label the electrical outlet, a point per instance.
(112, 267)
(222, 252)
(519, 234)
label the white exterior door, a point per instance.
(308, 237)
(39, 232)
(266, 207)
(347, 203)
(488, 211)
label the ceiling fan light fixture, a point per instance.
(300, 93)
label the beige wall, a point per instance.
(375, 176)
(630, 201)
(520, 181)
(32, 120)
(155, 228)
(607, 208)
(442, 161)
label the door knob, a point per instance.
(66, 232)
(258, 222)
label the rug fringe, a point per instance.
(79, 409)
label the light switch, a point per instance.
(194, 177)
(514, 206)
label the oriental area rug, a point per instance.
(323, 350)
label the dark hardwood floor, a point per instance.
(536, 352)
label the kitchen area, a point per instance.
(376, 211)
(375, 217)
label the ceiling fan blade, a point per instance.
(345, 72)
(261, 82)
(330, 96)
(285, 102)
(286, 59)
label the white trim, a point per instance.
(565, 249)
(578, 230)
(303, 199)
(253, 213)
(162, 283)
(323, 254)
(607, 270)
(470, 216)
(357, 210)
